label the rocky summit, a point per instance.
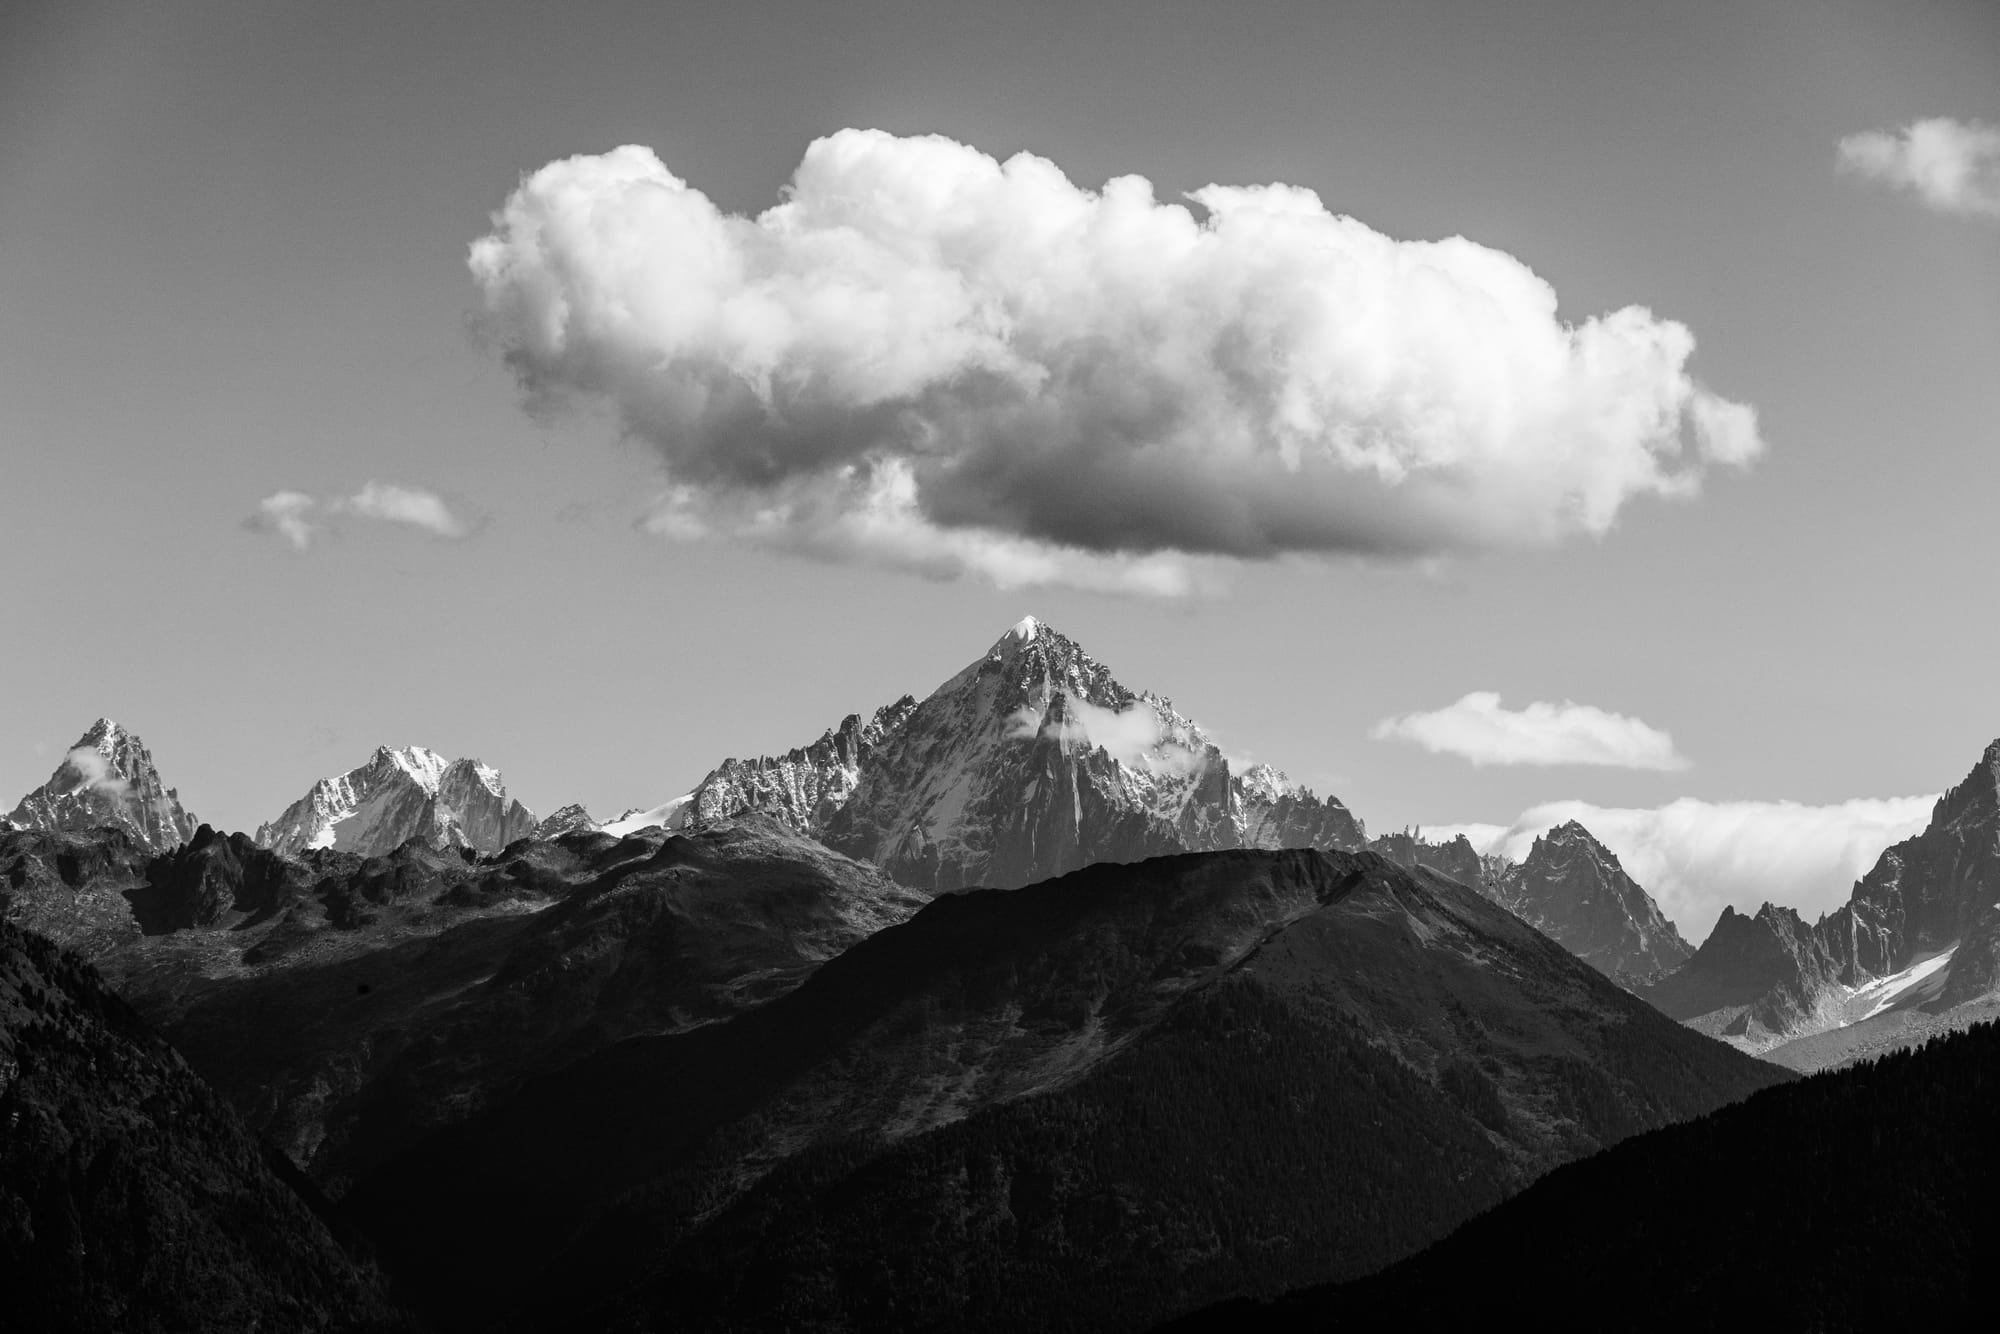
(1571, 888)
(107, 779)
(400, 794)
(1031, 762)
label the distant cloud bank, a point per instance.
(929, 359)
(1480, 729)
(300, 519)
(1696, 857)
(1952, 165)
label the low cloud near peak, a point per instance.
(1697, 857)
(930, 359)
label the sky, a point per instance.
(602, 390)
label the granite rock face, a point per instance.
(1571, 888)
(107, 779)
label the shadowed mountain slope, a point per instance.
(348, 1003)
(1853, 1200)
(131, 1197)
(1086, 1103)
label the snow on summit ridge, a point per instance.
(1032, 761)
(107, 778)
(402, 793)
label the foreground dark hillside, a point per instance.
(1091, 1103)
(1860, 1199)
(345, 1003)
(131, 1197)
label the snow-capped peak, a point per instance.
(102, 734)
(403, 792)
(421, 763)
(1024, 628)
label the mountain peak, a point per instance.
(99, 733)
(1573, 889)
(402, 792)
(108, 778)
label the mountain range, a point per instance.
(1031, 762)
(1913, 952)
(1089, 1103)
(1022, 1005)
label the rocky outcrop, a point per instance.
(398, 795)
(1456, 859)
(107, 779)
(570, 819)
(1571, 888)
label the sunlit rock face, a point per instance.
(107, 779)
(1031, 762)
(400, 794)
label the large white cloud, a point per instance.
(300, 518)
(932, 359)
(1480, 729)
(1952, 165)
(1695, 857)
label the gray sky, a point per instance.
(233, 248)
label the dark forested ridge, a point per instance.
(131, 1197)
(1092, 1103)
(1859, 1199)
(346, 1003)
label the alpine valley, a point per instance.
(1021, 1005)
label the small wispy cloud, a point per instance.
(286, 514)
(1952, 165)
(301, 519)
(1480, 729)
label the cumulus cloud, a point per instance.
(1952, 165)
(928, 358)
(1696, 857)
(300, 519)
(1478, 728)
